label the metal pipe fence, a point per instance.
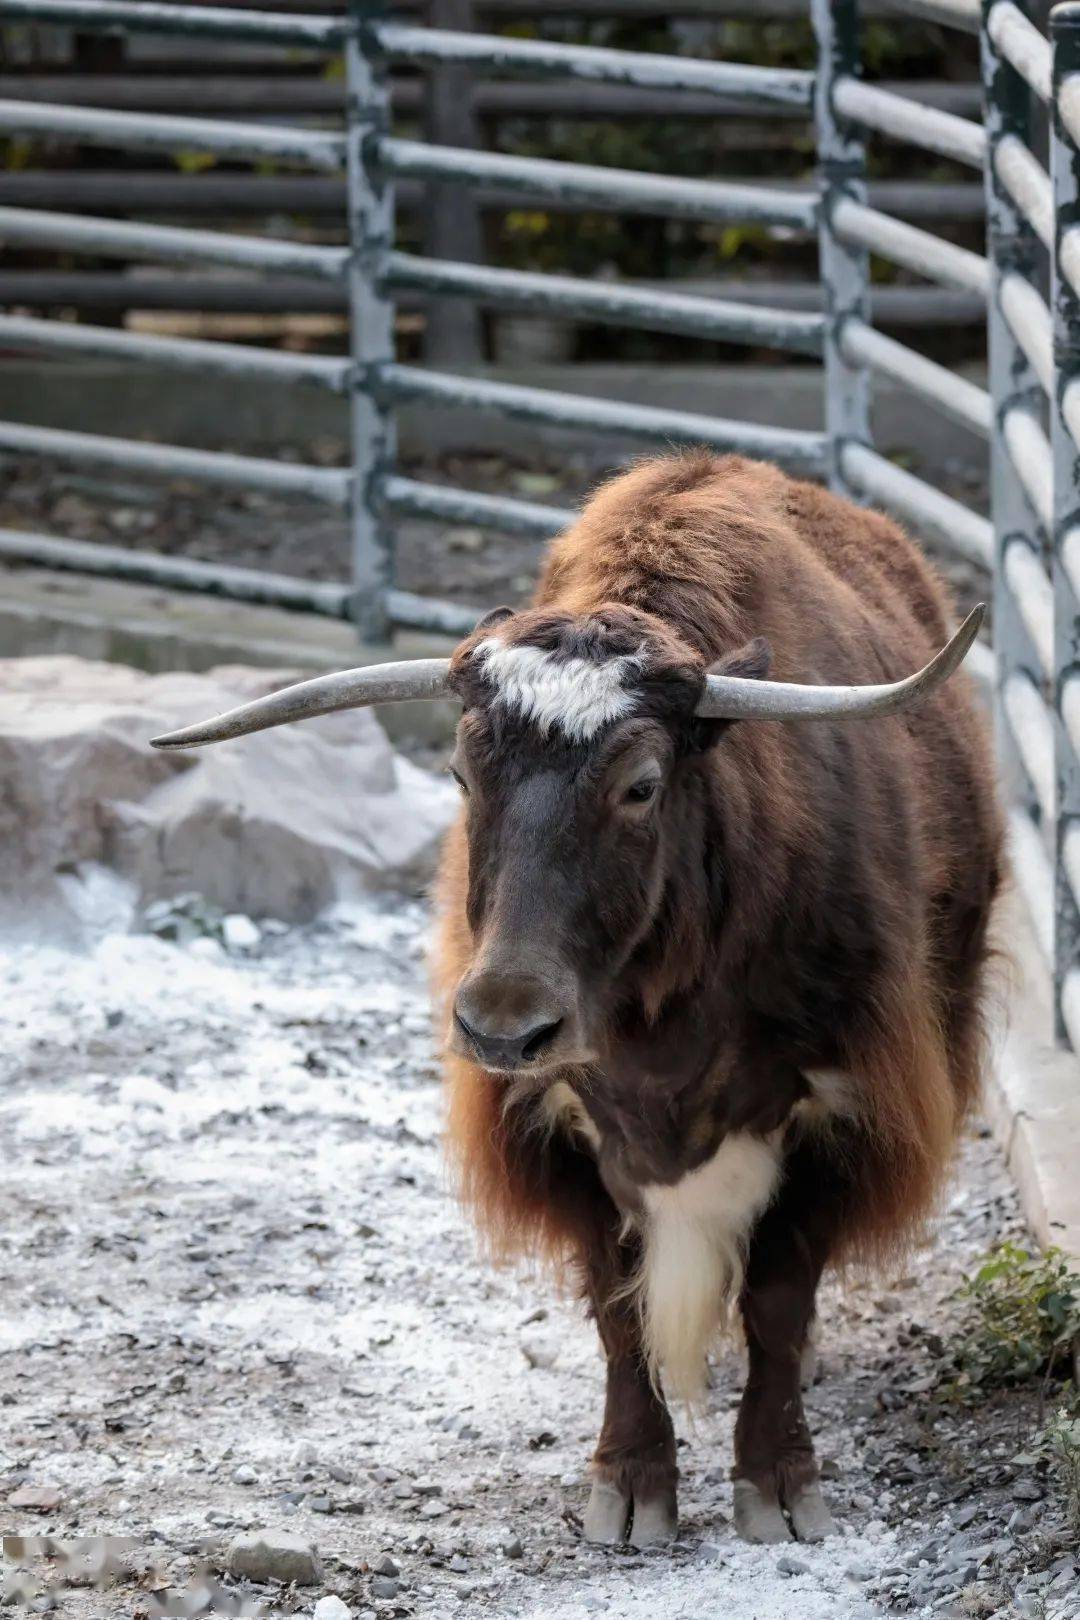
(1028, 281)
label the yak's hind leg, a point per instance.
(775, 1468)
(634, 1464)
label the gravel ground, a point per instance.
(239, 1297)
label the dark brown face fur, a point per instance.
(571, 842)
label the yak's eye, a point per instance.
(460, 780)
(641, 792)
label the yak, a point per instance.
(712, 938)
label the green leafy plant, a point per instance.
(1025, 1316)
(1061, 1444)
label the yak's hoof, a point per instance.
(607, 1515)
(756, 1518)
(810, 1514)
(611, 1513)
(656, 1521)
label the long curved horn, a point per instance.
(351, 689)
(728, 697)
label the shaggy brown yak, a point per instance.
(712, 987)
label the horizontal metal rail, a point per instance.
(912, 247)
(1028, 184)
(1034, 597)
(176, 573)
(1028, 319)
(163, 132)
(929, 511)
(1019, 41)
(1029, 452)
(584, 185)
(179, 354)
(1069, 552)
(333, 601)
(789, 446)
(175, 244)
(785, 86)
(607, 303)
(199, 22)
(414, 612)
(952, 13)
(1033, 733)
(328, 484)
(905, 120)
(499, 512)
(959, 399)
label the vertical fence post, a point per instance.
(1065, 308)
(371, 315)
(845, 270)
(1011, 248)
(453, 226)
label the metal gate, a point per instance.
(1030, 280)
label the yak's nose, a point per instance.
(507, 1023)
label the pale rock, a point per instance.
(332, 1608)
(239, 933)
(95, 824)
(274, 1555)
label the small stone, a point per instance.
(319, 1504)
(458, 1565)
(1026, 1490)
(35, 1499)
(860, 1572)
(512, 1547)
(332, 1608)
(540, 1352)
(433, 1509)
(383, 1587)
(965, 1516)
(239, 933)
(274, 1555)
(342, 1475)
(245, 1475)
(385, 1566)
(786, 1565)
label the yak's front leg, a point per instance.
(775, 1468)
(634, 1465)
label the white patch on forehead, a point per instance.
(575, 695)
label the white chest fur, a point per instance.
(695, 1234)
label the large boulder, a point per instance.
(278, 824)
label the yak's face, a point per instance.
(574, 755)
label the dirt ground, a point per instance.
(238, 1295)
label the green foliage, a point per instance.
(1061, 1444)
(1025, 1314)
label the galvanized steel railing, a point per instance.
(1030, 414)
(372, 491)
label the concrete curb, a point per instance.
(1032, 1093)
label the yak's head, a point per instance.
(576, 753)
(575, 757)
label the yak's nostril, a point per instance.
(539, 1039)
(507, 1048)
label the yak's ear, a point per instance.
(750, 662)
(489, 620)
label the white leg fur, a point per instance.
(694, 1234)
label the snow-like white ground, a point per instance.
(227, 1243)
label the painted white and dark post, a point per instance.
(371, 312)
(1012, 248)
(1064, 430)
(845, 266)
